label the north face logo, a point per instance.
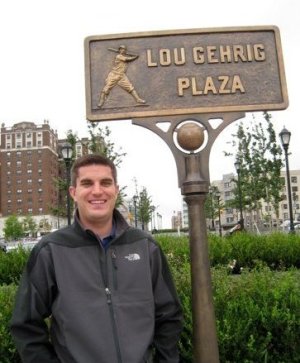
(133, 257)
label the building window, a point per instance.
(19, 191)
(19, 163)
(294, 189)
(29, 181)
(294, 179)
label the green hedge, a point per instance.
(277, 250)
(12, 265)
(257, 311)
(8, 352)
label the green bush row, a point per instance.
(257, 311)
(278, 251)
(257, 315)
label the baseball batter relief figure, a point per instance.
(117, 76)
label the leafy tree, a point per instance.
(100, 143)
(260, 165)
(211, 206)
(29, 225)
(44, 226)
(13, 228)
(144, 207)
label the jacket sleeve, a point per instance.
(32, 306)
(168, 312)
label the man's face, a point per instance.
(95, 194)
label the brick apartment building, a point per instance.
(28, 165)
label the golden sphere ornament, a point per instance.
(190, 136)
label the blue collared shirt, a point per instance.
(106, 240)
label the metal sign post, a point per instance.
(185, 79)
(190, 141)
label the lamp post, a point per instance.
(218, 196)
(285, 136)
(211, 195)
(237, 165)
(135, 198)
(67, 152)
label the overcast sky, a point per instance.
(42, 74)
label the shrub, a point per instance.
(8, 351)
(258, 315)
(258, 311)
(12, 265)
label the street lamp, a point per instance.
(218, 196)
(237, 166)
(67, 152)
(135, 198)
(285, 136)
(211, 194)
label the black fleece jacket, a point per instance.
(110, 306)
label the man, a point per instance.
(105, 287)
(117, 76)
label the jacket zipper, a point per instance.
(115, 268)
(112, 314)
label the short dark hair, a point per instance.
(92, 159)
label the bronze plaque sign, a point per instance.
(184, 72)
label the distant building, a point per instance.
(229, 216)
(29, 163)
